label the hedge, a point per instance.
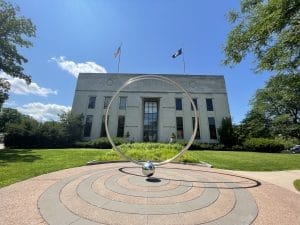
(263, 145)
(101, 143)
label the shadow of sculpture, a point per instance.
(247, 182)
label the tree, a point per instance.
(8, 116)
(276, 108)
(270, 29)
(14, 32)
(226, 133)
(72, 125)
(255, 125)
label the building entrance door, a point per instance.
(150, 120)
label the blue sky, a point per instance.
(82, 35)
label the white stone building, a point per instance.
(151, 110)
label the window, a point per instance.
(103, 131)
(179, 127)
(209, 104)
(88, 126)
(92, 102)
(150, 120)
(178, 102)
(121, 124)
(106, 101)
(195, 102)
(212, 128)
(198, 129)
(123, 103)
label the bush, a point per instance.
(263, 145)
(29, 133)
(202, 146)
(226, 133)
(150, 151)
(101, 143)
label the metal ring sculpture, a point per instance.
(160, 78)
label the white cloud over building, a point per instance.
(76, 68)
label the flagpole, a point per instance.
(119, 62)
(183, 60)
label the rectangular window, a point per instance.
(106, 101)
(88, 126)
(103, 131)
(179, 127)
(121, 125)
(150, 120)
(212, 128)
(92, 102)
(198, 129)
(178, 102)
(123, 103)
(195, 102)
(209, 104)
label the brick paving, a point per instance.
(117, 193)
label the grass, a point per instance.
(21, 164)
(297, 184)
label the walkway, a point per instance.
(116, 193)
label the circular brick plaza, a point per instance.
(117, 193)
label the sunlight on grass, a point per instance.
(20, 164)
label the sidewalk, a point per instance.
(283, 179)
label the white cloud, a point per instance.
(43, 112)
(76, 68)
(19, 86)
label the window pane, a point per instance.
(106, 101)
(92, 102)
(212, 128)
(88, 126)
(195, 102)
(178, 102)
(209, 104)
(179, 127)
(103, 131)
(150, 120)
(121, 125)
(198, 129)
(123, 103)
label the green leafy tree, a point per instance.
(255, 125)
(15, 31)
(270, 29)
(8, 116)
(226, 132)
(72, 125)
(276, 109)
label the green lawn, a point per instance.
(21, 164)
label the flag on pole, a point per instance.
(178, 53)
(118, 52)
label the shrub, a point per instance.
(29, 133)
(226, 132)
(150, 151)
(101, 143)
(263, 145)
(202, 146)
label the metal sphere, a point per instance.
(148, 169)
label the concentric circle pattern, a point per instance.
(178, 194)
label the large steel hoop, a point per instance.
(160, 78)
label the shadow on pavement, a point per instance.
(247, 183)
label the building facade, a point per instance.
(151, 110)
